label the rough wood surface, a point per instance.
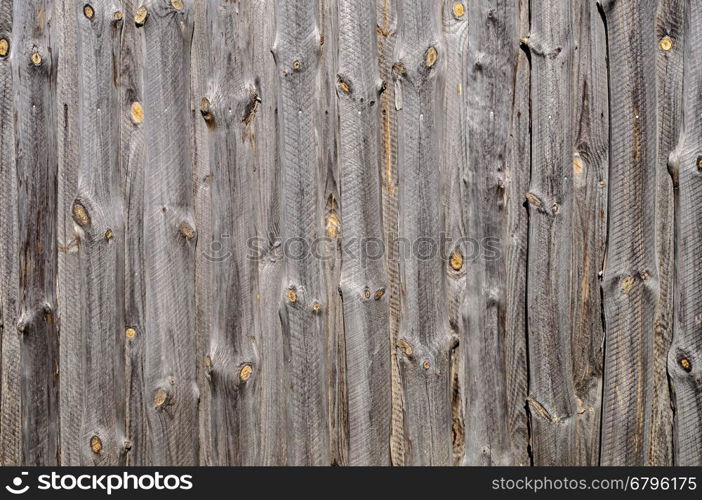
(363, 283)
(424, 338)
(350, 232)
(550, 199)
(589, 231)
(34, 66)
(297, 53)
(485, 196)
(94, 411)
(630, 285)
(170, 393)
(684, 360)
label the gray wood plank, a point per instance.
(231, 360)
(516, 236)
(489, 90)
(589, 236)
(34, 70)
(97, 223)
(670, 20)
(171, 393)
(133, 159)
(550, 198)
(424, 338)
(630, 285)
(386, 19)
(363, 275)
(328, 202)
(273, 421)
(297, 53)
(10, 411)
(453, 167)
(684, 359)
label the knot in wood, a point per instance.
(245, 372)
(96, 444)
(430, 57)
(456, 261)
(686, 364)
(140, 16)
(137, 113)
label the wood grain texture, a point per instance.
(231, 363)
(686, 164)
(297, 53)
(424, 337)
(273, 427)
(589, 231)
(10, 400)
(630, 285)
(363, 283)
(386, 30)
(170, 389)
(515, 245)
(550, 198)
(670, 23)
(96, 311)
(34, 72)
(453, 171)
(329, 248)
(133, 162)
(350, 232)
(492, 49)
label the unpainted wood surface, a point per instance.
(350, 232)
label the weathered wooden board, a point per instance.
(363, 232)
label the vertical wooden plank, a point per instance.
(493, 46)
(69, 276)
(424, 337)
(10, 411)
(297, 54)
(516, 236)
(386, 18)
(171, 393)
(549, 311)
(363, 273)
(273, 423)
(97, 222)
(589, 236)
(133, 158)
(229, 105)
(685, 359)
(210, 247)
(630, 285)
(34, 70)
(455, 31)
(329, 249)
(670, 19)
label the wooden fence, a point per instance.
(351, 232)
